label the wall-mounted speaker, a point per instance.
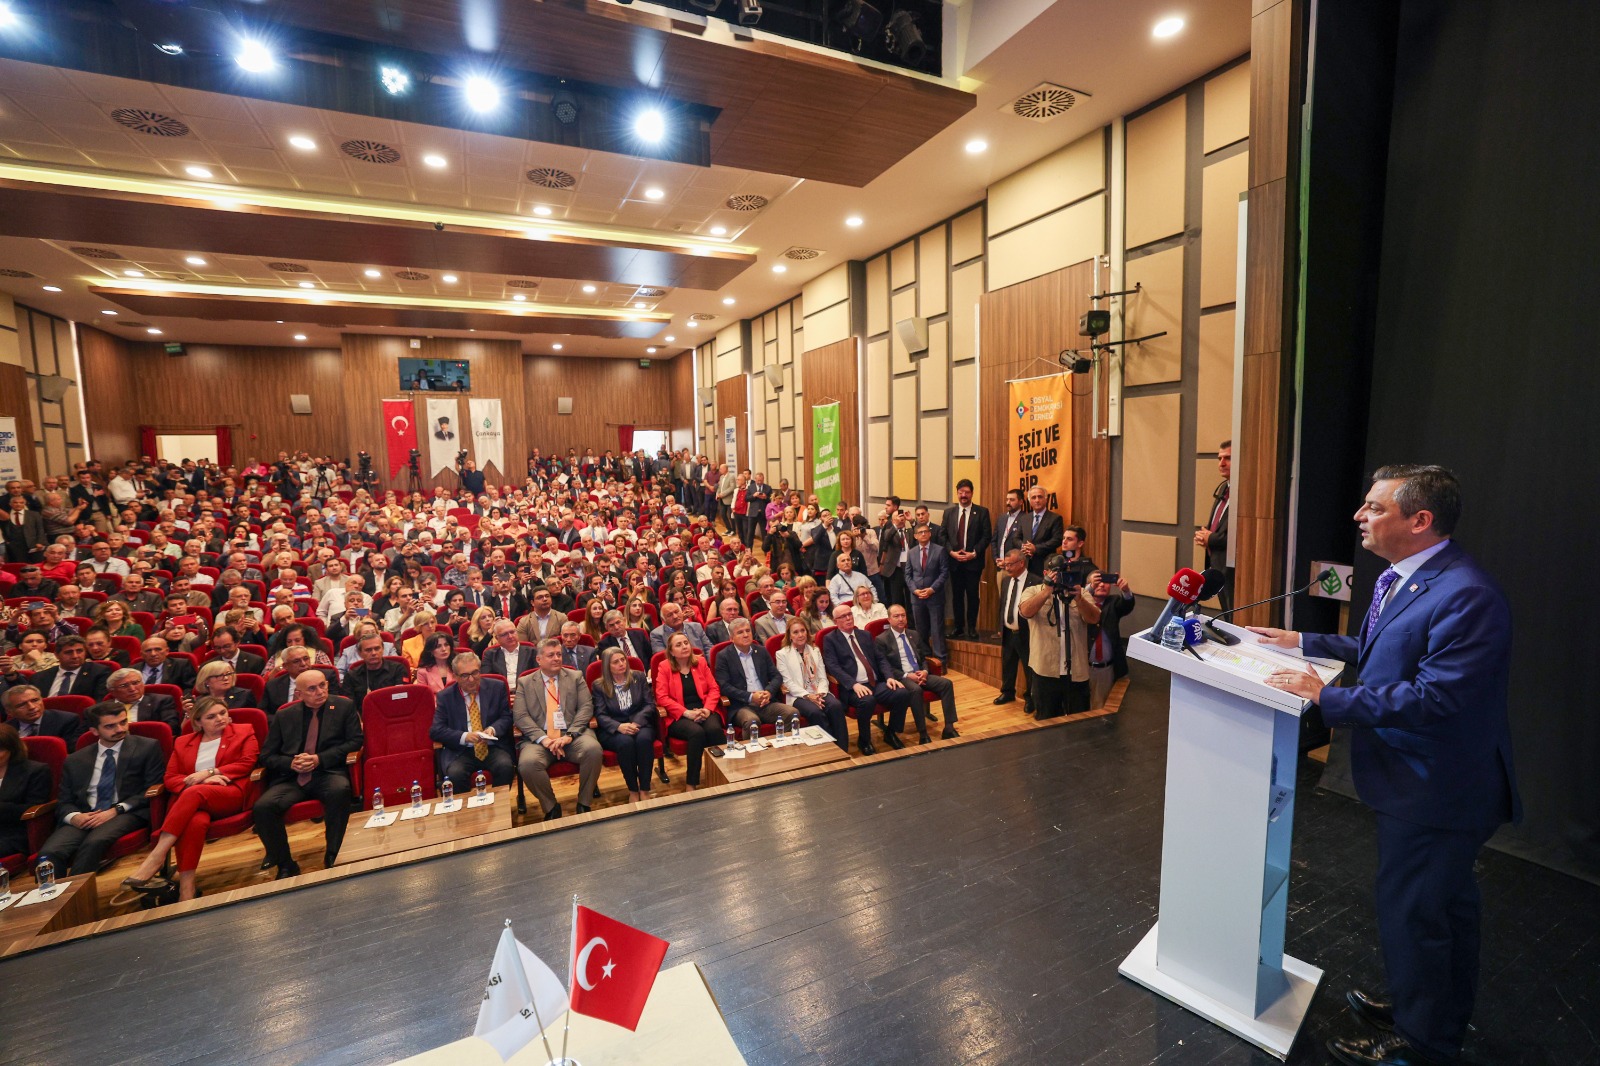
(774, 375)
(299, 403)
(52, 387)
(563, 405)
(706, 394)
(913, 333)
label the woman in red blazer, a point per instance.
(690, 701)
(209, 774)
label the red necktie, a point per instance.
(310, 745)
(961, 530)
(866, 664)
(924, 557)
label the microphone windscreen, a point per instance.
(1212, 580)
(1192, 633)
(1185, 586)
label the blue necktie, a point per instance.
(1036, 516)
(1385, 580)
(105, 795)
(911, 656)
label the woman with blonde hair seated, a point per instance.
(411, 647)
(209, 775)
(625, 720)
(805, 681)
(866, 607)
(215, 679)
(117, 620)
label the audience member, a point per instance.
(372, 672)
(690, 702)
(24, 783)
(25, 710)
(1059, 612)
(927, 571)
(126, 687)
(103, 792)
(856, 665)
(907, 655)
(625, 719)
(306, 757)
(749, 681)
(472, 724)
(553, 712)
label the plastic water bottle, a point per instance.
(480, 783)
(794, 725)
(416, 796)
(778, 736)
(448, 792)
(45, 875)
(377, 801)
(752, 733)
(732, 736)
(1172, 636)
(5, 883)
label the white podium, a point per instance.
(1232, 749)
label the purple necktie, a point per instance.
(1385, 580)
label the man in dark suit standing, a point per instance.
(25, 537)
(907, 655)
(472, 724)
(1430, 751)
(76, 676)
(967, 533)
(892, 545)
(927, 570)
(306, 755)
(102, 796)
(26, 711)
(1213, 536)
(858, 667)
(1038, 532)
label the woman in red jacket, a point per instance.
(209, 774)
(689, 700)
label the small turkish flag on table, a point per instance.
(613, 968)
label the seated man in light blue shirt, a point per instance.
(842, 586)
(749, 680)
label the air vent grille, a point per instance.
(412, 275)
(153, 123)
(801, 253)
(748, 201)
(1044, 102)
(95, 253)
(289, 268)
(371, 151)
(551, 178)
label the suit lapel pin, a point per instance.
(1413, 588)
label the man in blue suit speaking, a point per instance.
(1430, 751)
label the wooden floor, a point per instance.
(967, 906)
(235, 862)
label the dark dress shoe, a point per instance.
(553, 813)
(661, 772)
(949, 733)
(287, 869)
(1387, 1050)
(1003, 698)
(894, 741)
(865, 747)
(581, 809)
(266, 864)
(329, 858)
(924, 738)
(1374, 1012)
(933, 715)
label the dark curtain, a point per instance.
(224, 447)
(625, 438)
(147, 441)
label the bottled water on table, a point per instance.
(778, 736)
(5, 883)
(480, 783)
(377, 801)
(45, 875)
(448, 792)
(732, 736)
(416, 796)
(752, 733)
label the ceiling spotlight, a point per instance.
(255, 57)
(307, 285)
(854, 222)
(305, 144)
(481, 93)
(299, 336)
(449, 279)
(564, 106)
(113, 314)
(203, 173)
(588, 288)
(395, 81)
(977, 146)
(693, 324)
(433, 160)
(654, 193)
(519, 297)
(749, 12)
(649, 351)
(718, 231)
(153, 331)
(133, 273)
(171, 48)
(779, 268)
(369, 272)
(727, 301)
(859, 20)
(650, 125)
(669, 338)
(1167, 27)
(195, 261)
(639, 305)
(555, 347)
(904, 39)
(52, 288)
(542, 211)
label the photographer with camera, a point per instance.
(471, 477)
(1060, 610)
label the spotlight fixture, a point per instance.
(860, 21)
(369, 272)
(588, 288)
(639, 305)
(727, 301)
(977, 146)
(195, 261)
(449, 279)
(649, 125)
(299, 336)
(433, 160)
(779, 268)
(564, 106)
(719, 231)
(52, 288)
(555, 347)
(255, 57)
(854, 222)
(307, 285)
(653, 193)
(113, 314)
(705, 5)
(153, 331)
(695, 325)
(542, 211)
(1170, 26)
(669, 338)
(171, 48)
(395, 80)
(904, 39)
(482, 94)
(203, 173)
(749, 12)
(520, 298)
(649, 351)
(133, 273)
(305, 144)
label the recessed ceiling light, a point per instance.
(650, 125)
(255, 57)
(542, 211)
(653, 193)
(369, 272)
(727, 301)
(133, 273)
(299, 336)
(52, 288)
(449, 279)
(1167, 27)
(435, 161)
(153, 331)
(555, 347)
(519, 297)
(8, 17)
(854, 221)
(977, 146)
(203, 173)
(302, 142)
(669, 338)
(112, 313)
(195, 261)
(307, 285)
(394, 79)
(693, 324)
(649, 351)
(481, 93)
(639, 305)
(718, 231)
(779, 268)
(588, 288)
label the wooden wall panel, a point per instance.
(1018, 325)
(14, 401)
(1155, 154)
(107, 386)
(1219, 230)
(1150, 458)
(1157, 306)
(831, 374)
(732, 402)
(680, 383)
(1214, 394)
(371, 375)
(606, 393)
(1227, 108)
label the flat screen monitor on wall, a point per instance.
(435, 375)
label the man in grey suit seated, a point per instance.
(672, 621)
(553, 710)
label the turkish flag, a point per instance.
(613, 968)
(399, 432)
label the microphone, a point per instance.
(1226, 638)
(1212, 580)
(1183, 590)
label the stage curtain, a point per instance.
(224, 447)
(147, 441)
(625, 438)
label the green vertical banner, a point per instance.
(825, 481)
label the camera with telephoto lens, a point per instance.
(1063, 576)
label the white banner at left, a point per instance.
(443, 435)
(10, 456)
(488, 437)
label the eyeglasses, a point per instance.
(468, 675)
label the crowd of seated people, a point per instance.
(608, 603)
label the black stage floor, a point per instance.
(969, 906)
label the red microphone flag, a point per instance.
(614, 968)
(1185, 586)
(399, 433)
